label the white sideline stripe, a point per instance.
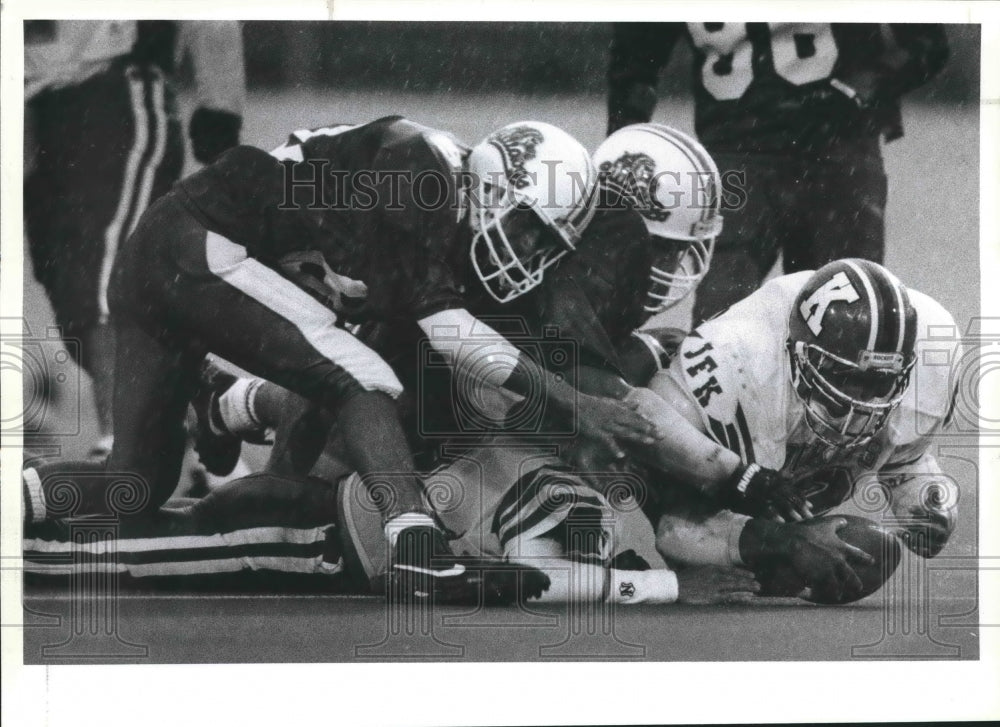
(196, 567)
(237, 538)
(113, 230)
(873, 303)
(314, 321)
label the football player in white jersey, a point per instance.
(786, 404)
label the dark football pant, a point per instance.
(177, 293)
(105, 149)
(811, 210)
(263, 530)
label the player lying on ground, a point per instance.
(289, 533)
(211, 264)
(814, 388)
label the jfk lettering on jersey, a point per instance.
(704, 365)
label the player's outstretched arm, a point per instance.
(486, 358)
(685, 453)
(924, 502)
(581, 582)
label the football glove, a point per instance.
(761, 492)
(212, 132)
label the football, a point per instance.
(782, 581)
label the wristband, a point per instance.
(744, 481)
(659, 353)
(646, 586)
(848, 91)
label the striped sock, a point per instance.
(237, 412)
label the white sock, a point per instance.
(407, 520)
(237, 406)
(645, 586)
(34, 502)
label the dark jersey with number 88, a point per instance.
(766, 86)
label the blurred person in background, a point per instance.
(103, 140)
(794, 113)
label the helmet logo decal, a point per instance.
(517, 146)
(813, 308)
(634, 176)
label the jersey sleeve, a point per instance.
(595, 295)
(638, 52)
(417, 232)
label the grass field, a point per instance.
(932, 245)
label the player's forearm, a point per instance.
(702, 541)
(924, 502)
(574, 582)
(483, 357)
(683, 451)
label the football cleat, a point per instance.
(425, 570)
(422, 562)
(217, 448)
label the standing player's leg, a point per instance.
(232, 410)
(154, 382)
(747, 247)
(106, 148)
(843, 210)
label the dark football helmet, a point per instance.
(851, 338)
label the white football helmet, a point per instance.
(675, 186)
(533, 192)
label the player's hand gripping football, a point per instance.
(816, 555)
(762, 492)
(605, 425)
(712, 584)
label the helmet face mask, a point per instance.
(678, 267)
(674, 184)
(851, 340)
(845, 406)
(512, 248)
(534, 194)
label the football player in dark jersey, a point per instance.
(793, 114)
(391, 213)
(648, 245)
